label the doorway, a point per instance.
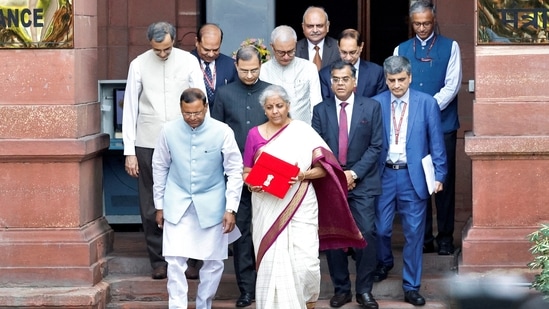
(383, 24)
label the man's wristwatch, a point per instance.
(354, 175)
(231, 211)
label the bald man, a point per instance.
(218, 69)
(315, 26)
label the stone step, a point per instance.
(143, 288)
(130, 285)
(321, 304)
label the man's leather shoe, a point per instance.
(445, 249)
(245, 300)
(339, 300)
(191, 272)
(193, 268)
(366, 300)
(381, 273)
(161, 272)
(413, 297)
(429, 247)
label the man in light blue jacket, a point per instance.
(194, 204)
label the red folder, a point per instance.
(272, 174)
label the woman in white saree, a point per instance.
(286, 231)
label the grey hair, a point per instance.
(247, 53)
(309, 9)
(157, 31)
(283, 34)
(397, 64)
(421, 6)
(274, 91)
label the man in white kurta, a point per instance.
(156, 79)
(299, 77)
(195, 205)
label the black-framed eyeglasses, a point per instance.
(425, 24)
(193, 114)
(282, 53)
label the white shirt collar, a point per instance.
(424, 42)
(404, 98)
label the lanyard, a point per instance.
(397, 128)
(426, 58)
(211, 82)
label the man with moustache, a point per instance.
(317, 46)
(218, 69)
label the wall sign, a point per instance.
(36, 24)
(513, 21)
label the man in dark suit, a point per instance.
(315, 26)
(357, 149)
(237, 104)
(412, 130)
(218, 69)
(370, 79)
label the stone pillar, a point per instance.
(509, 149)
(53, 234)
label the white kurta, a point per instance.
(300, 79)
(189, 240)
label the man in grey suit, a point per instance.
(358, 150)
(237, 104)
(315, 28)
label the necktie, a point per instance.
(343, 135)
(208, 82)
(317, 59)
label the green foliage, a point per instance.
(540, 251)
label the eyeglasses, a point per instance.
(246, 72)
(425, 24)
(351, 53)
(282, 53)
(195, 114)
(337, 80)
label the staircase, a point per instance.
(131, 287)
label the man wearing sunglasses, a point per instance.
(436, 68)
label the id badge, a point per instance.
(394, 148)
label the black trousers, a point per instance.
(445, 201)
(363, 211)
(153, 234)
(243, 248)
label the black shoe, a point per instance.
(366, 300)
(429, 247)
(445, 249)
(339, 300)
(381, 273)
(161, 272)
(414, 298)
(193, 269)
(245, 300)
